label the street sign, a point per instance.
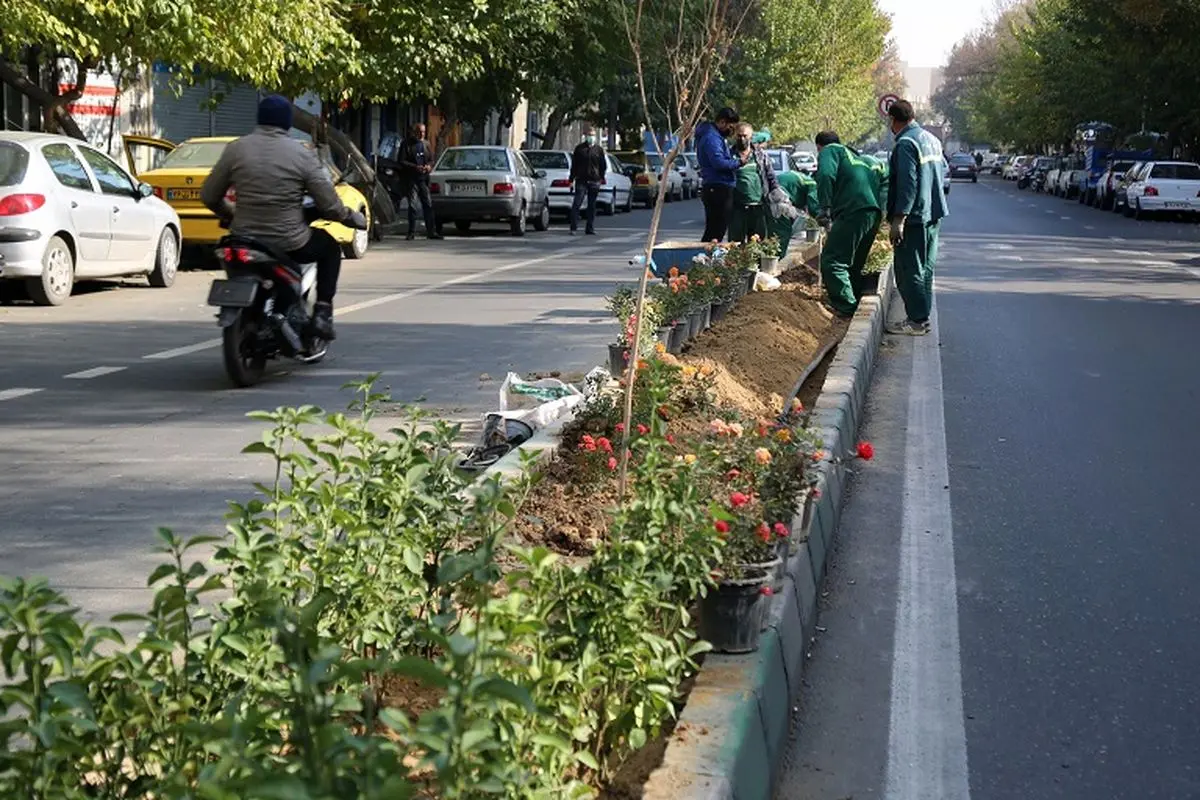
(885, 104)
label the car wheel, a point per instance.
(1138, 213)
(462, 225)
(542, 222)
(974, 179)
(610, 208)
(166, 260)
(359, 242)
(1127, 210)
(519, 223)
(629, 202)
(57, 280)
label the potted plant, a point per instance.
(732, 613)
(768, 253)
(671, 303)
(878, 259)
(622, 303)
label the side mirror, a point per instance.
(145, 190)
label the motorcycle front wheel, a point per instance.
(244, 360)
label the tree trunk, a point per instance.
(54, 105)
(382, 208)
(554, 125)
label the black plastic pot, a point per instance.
(718, 310)
(750, 276)
(733, 612)
(870, 283)
(618, 359)
(695, 323)
(706, 316)
(678, 337)
(663, 335)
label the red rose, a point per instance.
(642, 429)
(604, 444)
(722, 526)
(781, 530)
(670, 438)
(865, 451)
(737, 499)
(766, 591)
(620, 427)
(733, 473)
(763, 532)
(612, 462)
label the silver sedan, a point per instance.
(489, 184)
(68, 211)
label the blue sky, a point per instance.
(925, 30)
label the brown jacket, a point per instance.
(271, 172)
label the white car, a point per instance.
(480, 183)
(616, 181)
(694, 164)
(68, 211)
(804, 161)
(1012, 170)
(674, 178)
(1164, 186)
(557, 166)
(1106, 187)
(780, 161)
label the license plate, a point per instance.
(474, 187)
(183, 194)
(232, 294)
(1175, 205)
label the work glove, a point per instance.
(824, 220)
(356, 220)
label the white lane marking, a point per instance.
(1065, 218)
(1049, 211)
(927, 743)
(1082, 260)
(183, 351)
(996, 247)
(1195, 272)
(1005, 258)
(13, 394)
(390, 298)
(94, 372)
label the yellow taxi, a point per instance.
(641, 174)
(176, 173)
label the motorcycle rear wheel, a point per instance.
(244, 361)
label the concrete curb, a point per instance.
(729, 742)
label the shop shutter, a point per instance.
(187, 115)
(236, 114)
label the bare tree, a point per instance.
(697, 44)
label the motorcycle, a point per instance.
(1024, 179)
(1039, 180)
(266, 304)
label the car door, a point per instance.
(537, 186)
(145, 153)
(90, 212)
(133, 232)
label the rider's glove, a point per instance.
(357, 220)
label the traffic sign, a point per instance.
(885, 104)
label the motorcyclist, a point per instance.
(272, 172)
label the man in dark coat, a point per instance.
(589, 165)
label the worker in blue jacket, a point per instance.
(718, 167)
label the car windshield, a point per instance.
(474, 158)
(1179, 172)
(193, 154)
(634, 168)
(547, 159)
(1044, 163)
(1122, 166)
(777, 162)
(13, 161)
(962, 159)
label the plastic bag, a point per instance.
(765, 283)
(516, 392)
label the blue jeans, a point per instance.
(591, 190)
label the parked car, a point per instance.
(645, 180)
(945, 176)
(68, 211)
(694, 164)
(621, 198)
(1012, 170)
(780, 161)
(1164, 186)
(1121, 190)
(962, 165)
(997, 167)
(677, 187)
(805, 161)
(1066, 184)
(1106, 187)
(479, 183)
(690, 176)
(1037, 172)
(557, 166)
(882, 155)
(177, 172)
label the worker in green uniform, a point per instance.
(802, 191)
(848, 189)
(749, 215)
(916, 207)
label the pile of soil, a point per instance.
(760, 349)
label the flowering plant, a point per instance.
(622, 303)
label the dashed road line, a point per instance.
(94, 372)
(13, 394)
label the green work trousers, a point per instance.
(915, 258)
(845, 254)
(747, 221)
(783, 227)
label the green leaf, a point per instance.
(414, 562)
(549, 740)
(587, 759)
(160, 572)
(419, 668)
(637, 738)
(507, 690)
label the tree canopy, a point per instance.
(1046, 66)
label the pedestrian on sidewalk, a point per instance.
(416, 162)
(717, 168)
(849, 195)
(916, 207)
(589, 165)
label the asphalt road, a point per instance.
(1039, 638)
(116, 416)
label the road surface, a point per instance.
(116, 416)
(1014, 601)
